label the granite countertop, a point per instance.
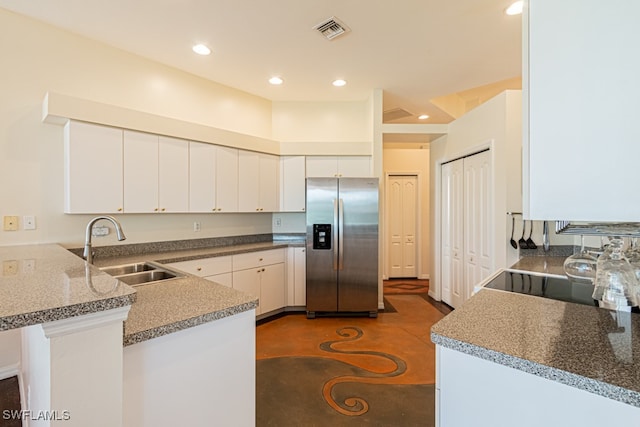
(44, 283)
(586, 347)
(172, 305)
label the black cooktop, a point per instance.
(544, 286)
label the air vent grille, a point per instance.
(332, 28)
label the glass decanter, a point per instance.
(616, 284)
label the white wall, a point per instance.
(498, 124)
(38, 58)
(412, 161)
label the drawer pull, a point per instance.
(199, 268)
(261, 259)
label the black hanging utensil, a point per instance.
(530, 243)
(522, 242)
(513, 227)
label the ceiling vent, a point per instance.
(332, 28)
(395, 114)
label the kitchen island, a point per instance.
(507, 359)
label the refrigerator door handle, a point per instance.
(335, 234)
(341, 235)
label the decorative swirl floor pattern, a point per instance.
(348, 371)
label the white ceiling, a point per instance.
(414, 50)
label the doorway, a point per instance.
(402, 208)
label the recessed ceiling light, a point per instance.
(275, 80)
(339, 83)
(201, 49)
(515, 8)
(423, 116)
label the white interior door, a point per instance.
(477, 220)
(452, 191)
(403, 205)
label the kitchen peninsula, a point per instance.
(512, 359)
(74, 313)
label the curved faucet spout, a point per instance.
(88, 253)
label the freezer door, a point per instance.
(322, 260)
(358, 235)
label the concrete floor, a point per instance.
(348, 371)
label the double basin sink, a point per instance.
(141, 273)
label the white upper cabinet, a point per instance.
(257, 182)
(213, 178)
(338, 166)
(226, 179)
(173, 175)
(156, 173)
(93, 168)
(293, 183)
(581, 151)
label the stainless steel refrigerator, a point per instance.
(342, 246)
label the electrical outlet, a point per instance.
(28, 265)
(10, 223)
(196, 226)
(100, 231)
(277, 221)
(9, 268)
(29, 222)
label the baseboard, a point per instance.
(425, 276)
(9, 371)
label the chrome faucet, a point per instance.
(88, 253)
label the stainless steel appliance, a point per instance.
(342, 246)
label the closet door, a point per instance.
(403, 199)
(452, 192)
(477, 220)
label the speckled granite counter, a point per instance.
(590, 348)
(43, 283)
(169, 306)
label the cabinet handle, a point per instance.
(257, 209)
(119, 209)
(199, 268)
(260, 259)
(214, 209)
(162, 209)
(155, 210)
(302, 209)
(219, 209)
(262, 270)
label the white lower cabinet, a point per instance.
(296, 278)
(218, 269)
(262, 274)
(471, 391)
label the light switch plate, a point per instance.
(10, 223)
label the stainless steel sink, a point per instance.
(119, 270)
(141, 273)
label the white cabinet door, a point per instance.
(93, 168)
(202, 177)
(257, 182)
(293, 183)
(300, 277)
(173, 175)
(338, 166)
(354, 166)
(272, 288)
(225, 279)
(321, 166)
(226, 179)
(248, 281)
(140, 172)
(580, 96)
(268, 183)
(248, 181)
